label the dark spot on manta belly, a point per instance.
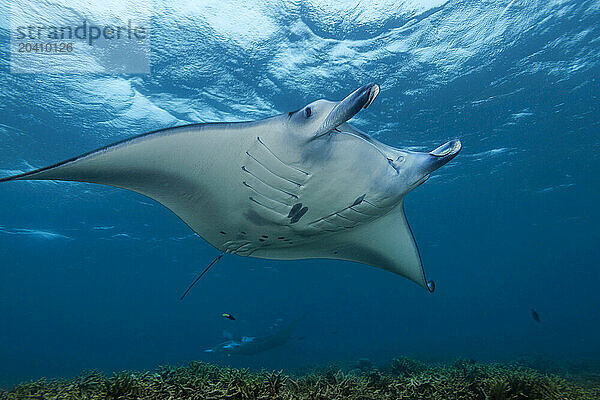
(295, 210)
(299, 215)
(265, 236)
(358, 200)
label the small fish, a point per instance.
(228, 316)
(535, 315)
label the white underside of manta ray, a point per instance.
(298, 185)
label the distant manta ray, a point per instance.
(304, 184)
(252, 345)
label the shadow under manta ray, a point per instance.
(304, 184)
(251, 345)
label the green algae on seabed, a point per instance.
(403, 379)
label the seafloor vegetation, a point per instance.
(403, 379)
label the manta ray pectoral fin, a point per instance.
(386, 243)
(163, 165)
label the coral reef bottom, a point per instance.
(403, 379)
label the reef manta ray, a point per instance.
(304, 184)
(252, 345)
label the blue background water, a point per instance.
(90, 275)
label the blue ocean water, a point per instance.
(91, 275)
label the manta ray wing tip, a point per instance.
(431, 286)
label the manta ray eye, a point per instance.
(307, 112)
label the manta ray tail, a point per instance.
(201, 275)
(150, 164)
